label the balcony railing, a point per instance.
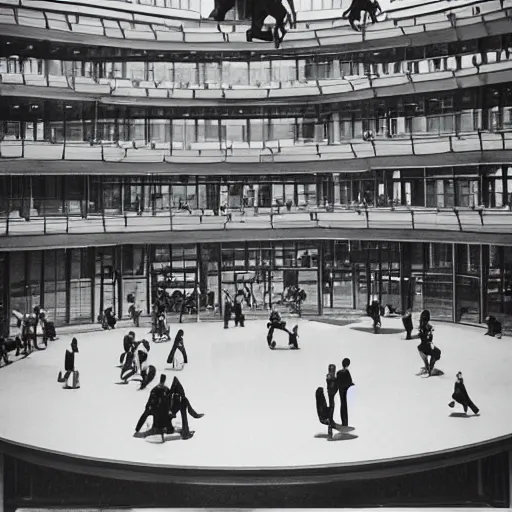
(114, 23)
(269, 152)
(477, 220)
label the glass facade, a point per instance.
(453, 281)
(468, 186)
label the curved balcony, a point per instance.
(208, 158)
(159, 32)
(402, 223)
(165, 94)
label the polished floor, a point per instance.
(259, 404)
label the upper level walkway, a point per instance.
(476, 225)
(23, 157)
(145, 93)
(151, 29)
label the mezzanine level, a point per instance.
(198, 157)
(51, 21)
(478, 225)
(315, 92)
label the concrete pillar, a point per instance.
(335, 127)
(2, 477)
(337, 192)
(509, 479)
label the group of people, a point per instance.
(336, 382)
(134, 361)
(261, 9)
(430, 354)
(163, 406)
(163, 403)
(234, 305)
(30, 325)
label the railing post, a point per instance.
(481, 213)
(412, 219)
(67, 223)
(458, 218)
(367, 215)
(125, 220)
(272, 220)
(44, 224)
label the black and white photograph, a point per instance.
(255, 255)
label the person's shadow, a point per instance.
(461, 415)
(339, 436)
(382, 330)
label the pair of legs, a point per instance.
(429, 365)
(4, 356)
(181, 348)
(239, 316)
(262, 9)
(376, 323)
(280, 326)
(408, 326)
(227, 315)
(343, 407)
(466, 403)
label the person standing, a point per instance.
(178, 345)
(460, 395)
(158, 407)
(239, 301)
(332, 388)
(228, 308)
(408, 325)
(180, 403)
(344, 379)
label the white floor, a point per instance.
(259, 404)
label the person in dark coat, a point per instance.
(238, 307)
(275, 8)
(332, 387)
(353, 13)
(493, 327)
(158, 407)
(178, 345)
(373, 311)
(228, 308)
(69, 361)
(460, 395)
(324, 413)
(345, 382)
(180, 403)
(293, 339)
(4, 356)
(221, 8)
(408, 325)
(427, 348)
(275, 322)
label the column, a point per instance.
(454, 283)
(67, 277)
(335, 129)
(319, 279)
(337, 192)
(2, 478)
(509, 479)
(483, 278)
